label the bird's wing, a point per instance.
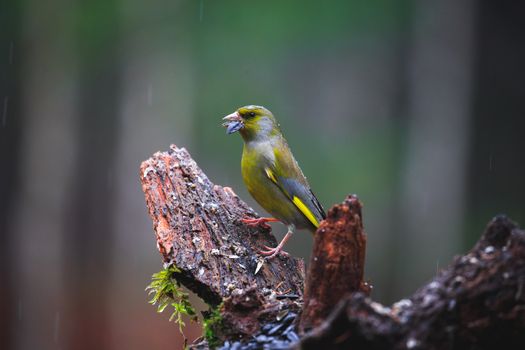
(287, 175)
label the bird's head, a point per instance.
(252, 122)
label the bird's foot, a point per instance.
(259, 222)
(270, 252)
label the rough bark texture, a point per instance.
(198, 229)
(478, 302)
(337, 263)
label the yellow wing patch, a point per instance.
(304, 209)
(270, 174)
(298, 203)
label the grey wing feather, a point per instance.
(295, 188)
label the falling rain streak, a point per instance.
(11, 51)
(149, 95)
(56, 327)
(4, 114)
(19, 310)
(109, 179)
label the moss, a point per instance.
(168, 292)
(211, 326)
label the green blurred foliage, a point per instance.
(339, 77)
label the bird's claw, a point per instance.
(270, 252)
(259, 222)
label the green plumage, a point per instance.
(271, 172)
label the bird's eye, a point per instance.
(251, 114)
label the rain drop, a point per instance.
(56, 327)
(20, 310)
(11, 52)
(412, 343)
(4, 114)
(109, 179)
(150, 95)
(201, 10)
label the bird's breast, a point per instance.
(255, 159)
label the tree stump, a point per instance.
(478, 302)
(198, 229)
(337, 263)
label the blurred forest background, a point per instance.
(416, 106)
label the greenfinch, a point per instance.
(272, 175)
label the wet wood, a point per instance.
(478, 302)
(337, 262)
(198, 228)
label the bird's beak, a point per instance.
(233, 122)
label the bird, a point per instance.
(272, 176)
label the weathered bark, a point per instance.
(198, 229)
(337, 263)
(478, 302)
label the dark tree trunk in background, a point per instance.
(11, 123)
(89, 229)
(497, 157)
(437, 134)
